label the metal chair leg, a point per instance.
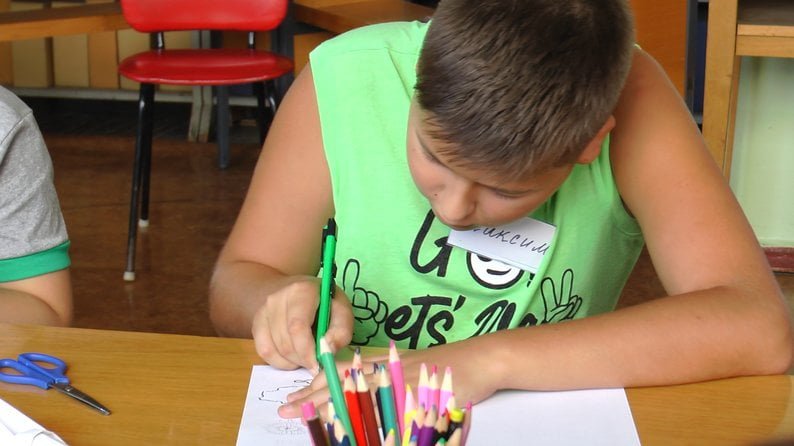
(143, 134)
(223, 124)
(261, 119)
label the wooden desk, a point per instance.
(186, 390)
(49, 22)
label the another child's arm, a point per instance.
(264, 283)
(724, 314)
(44, 299)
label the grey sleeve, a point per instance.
(30, 214)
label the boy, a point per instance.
(495, 111)
(35, 286)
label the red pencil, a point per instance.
(353, 408)
(367, 411)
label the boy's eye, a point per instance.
(506, 195)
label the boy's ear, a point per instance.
(593, 148)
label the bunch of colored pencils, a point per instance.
(431, 418)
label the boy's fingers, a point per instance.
(340, 328)
(293, 408)
(304, 347)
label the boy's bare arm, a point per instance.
(724, 315)
(274, 247)
(44, 299)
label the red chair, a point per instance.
(217, 67)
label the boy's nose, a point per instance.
(454, 207)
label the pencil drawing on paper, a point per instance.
(279, 394)
(286, 427)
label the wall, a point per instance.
(762, 172)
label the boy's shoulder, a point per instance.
(393, 36)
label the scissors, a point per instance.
(32, 372)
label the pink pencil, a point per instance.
(434, 392)
(466, 423)
(423, 391)
(446, 391)
(398, 383)
(308, 410)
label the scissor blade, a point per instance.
(80, 396)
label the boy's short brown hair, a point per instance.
(518, 86)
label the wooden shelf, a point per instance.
(765, 28)
(338, 16)
(48, 22)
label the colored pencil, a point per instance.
(434, 391)
(353, 408)
(340, 434)
(409, 409)
(466, 423)
(455, 438)
(326, 282)
(455, 420)
(357, 363)
(422, 391)
(398, 384)
(335, 386)
(367, 411)
(440, 429)
(451, 404)
(390, 421)
(427, 427)
(389, 439)
(317, 431)
(446, 391)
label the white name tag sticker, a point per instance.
(522, 243)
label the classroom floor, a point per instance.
(193, 207)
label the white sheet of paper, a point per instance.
(17, 429)
(592, 417)
(261, 423)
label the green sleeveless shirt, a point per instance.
(393, 261)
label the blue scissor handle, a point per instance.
(32, 373)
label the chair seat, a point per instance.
(218, 66)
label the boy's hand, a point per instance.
(470, 376)
(282, 327)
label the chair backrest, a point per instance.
(182, 15)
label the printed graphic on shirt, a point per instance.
(492, 273)
(369, 311)
(426, 320)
